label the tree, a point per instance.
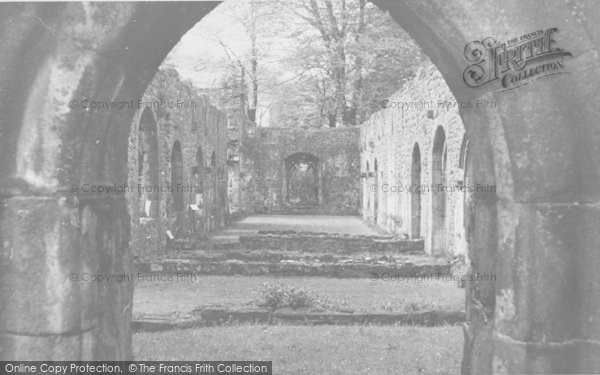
(324, 61)
(331, 21)
(347, 45)
(392, 58)
(255, 17)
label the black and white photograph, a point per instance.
(300, 187)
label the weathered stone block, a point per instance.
(42, 348)
(548, 288)
(40, 266)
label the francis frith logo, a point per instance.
(516, 62)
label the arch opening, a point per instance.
(148, 166)
(376, 191)
(415, 194)
(198, 221)
(214, 191)
(367, 189)
(302, 186)
(438, 197)
(463, 197)
(177, 188)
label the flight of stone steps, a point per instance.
(289, 253)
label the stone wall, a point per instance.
(321, 243)
(262, 169)
(183, 116)
(408, 118)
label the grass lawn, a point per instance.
(362, 295)
(370, 350)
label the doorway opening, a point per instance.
(302, 181)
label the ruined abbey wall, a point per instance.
(181, 116)
(408, 120)
(262, 169)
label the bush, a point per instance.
(272, 296)
(276, 296)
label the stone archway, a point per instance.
(376, 190)
(438, 195)
(464, 196)
(177, 189)
(214, 192)
(198, 173)
(415, 193)
(543, 217)
(148, 170)
(367, 187)
(302, 181)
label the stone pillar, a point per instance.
(547, 296)
(55, 243)
(542, 141)
(53, 246)
(480, 225)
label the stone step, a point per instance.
(206, 244)
(326, 242)
(216, 316)
(351, 269)
(280, 256)
(302, 241)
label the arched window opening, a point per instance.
(438, 199)
(148, 173)
(415, 193)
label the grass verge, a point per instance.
(360, 295)
(372, 350)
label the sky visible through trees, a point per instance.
(298, 63)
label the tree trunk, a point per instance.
(358, 83)
(254, 67)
